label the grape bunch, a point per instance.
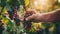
(28, 24)
(1, 27)
(12, 13)
(14, 16)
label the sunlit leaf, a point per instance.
(26, 2)
(4, 10)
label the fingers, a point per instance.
(30, 18)
(31, 11)
(29, 15)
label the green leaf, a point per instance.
(14, 2)
(3, 3)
